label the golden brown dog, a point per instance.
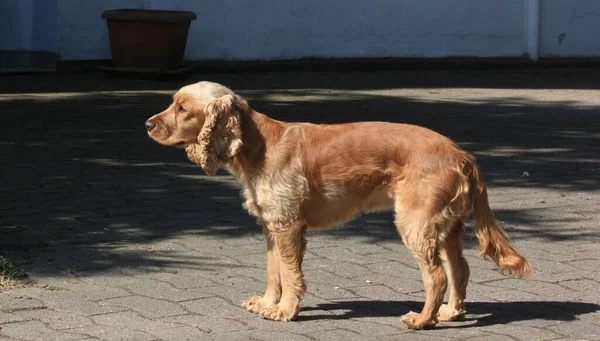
(299, 176)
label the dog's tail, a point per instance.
(492, 238)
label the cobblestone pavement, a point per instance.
(124, 239)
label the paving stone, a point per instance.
(479, 275)
(160, 290)
(533, 322)
(6, 338)
(181, 279)
(589, 247)
(145, 306)
(284, 336)
(545, 255)
(569, 339)
(363, 247)
(182, 333)
(565, 276)
(585, 285)
(215, 307)
(328, 278)
(209, 324)
(12, 316)
(341, 254)
(536, 288)
(340, 268)
(18, 300)
(370, 329)
(56, 319)
(394, 269)
(456, 331)
(236, 336)
(258, 273)
(586, 264)
(95, 291)
(494, 337)
(577, 329)
(413, 336)
(162, 329)
(61, 299)
(554, 267)
(253, 258)
(230, 279)
(234, 294)
(36, 330)
(337, 334)
(523, 333)
(329, 292)
(114, 333)
(319, 239)
(489, 293)
(129, 319)
(378, 292)
(311, 300)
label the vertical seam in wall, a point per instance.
(32, 37)
(533, 28)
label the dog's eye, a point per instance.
(181, 109)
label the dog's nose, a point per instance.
(150, 125)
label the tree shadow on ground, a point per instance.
(530, 78)
(479, 314)
(80, 176)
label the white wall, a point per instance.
(570, 28)
(28, 25)
(249, 29)
(285, 29)
(16, 34)
(82, 34)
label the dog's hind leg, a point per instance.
(273, 291)
(457, 272)
(418, 232)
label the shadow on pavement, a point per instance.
(478, 313)
(80, 176)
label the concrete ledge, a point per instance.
(17, 61)
(356, 64)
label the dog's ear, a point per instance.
(221, 136)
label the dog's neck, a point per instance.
(259, 134)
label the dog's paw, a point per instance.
(276, 313)
(446, 313)
(413, 320)
(253, 304)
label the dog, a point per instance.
(300, 176)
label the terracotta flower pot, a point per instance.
(148, 39)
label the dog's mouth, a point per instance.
(176, 144)
(168, 142)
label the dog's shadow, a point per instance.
(478, 313)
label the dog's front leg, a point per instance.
(290, 242)
(273, 292)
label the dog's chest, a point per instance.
(276, 198)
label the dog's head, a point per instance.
(204, 118)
